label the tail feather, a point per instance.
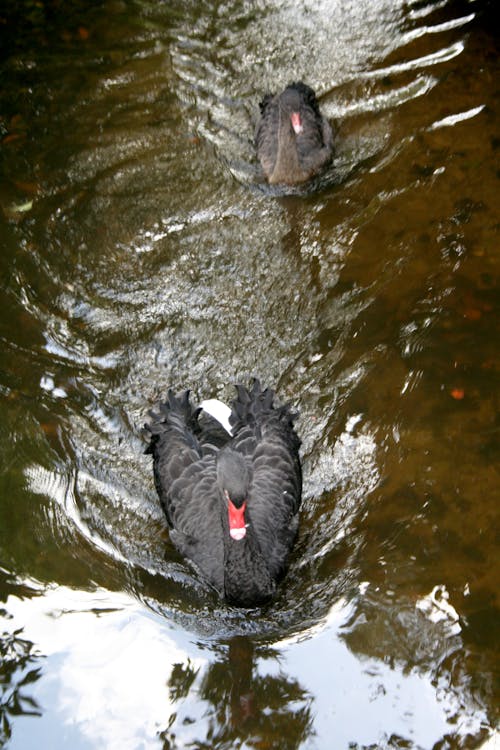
(175, 419)
(265, 102)
(256, 407)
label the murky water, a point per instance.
(141, 250)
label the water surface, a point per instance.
(142, 250)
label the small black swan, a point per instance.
(231, 496)
(294, 142)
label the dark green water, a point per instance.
(141, 251)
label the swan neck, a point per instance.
(247, 581)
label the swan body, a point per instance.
(294, 141)
(231, 500)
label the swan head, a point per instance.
(233, 479)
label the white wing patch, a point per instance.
(219, 411)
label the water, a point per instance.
(141, 250)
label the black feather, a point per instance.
(259, 465)
(287, 156)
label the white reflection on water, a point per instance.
(351, 465)
(61, 488)
(436, 607)
(454, 23)
(458, 117)
(363, 700)
(105, 677)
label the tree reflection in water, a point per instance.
(261, 710)
(16, 657)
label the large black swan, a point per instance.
(231, 496)
(294, 141)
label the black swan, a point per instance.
(294, 142)
(231, 498)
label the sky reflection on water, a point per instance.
(110, 667)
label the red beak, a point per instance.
(296, 123)
(237, 526)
